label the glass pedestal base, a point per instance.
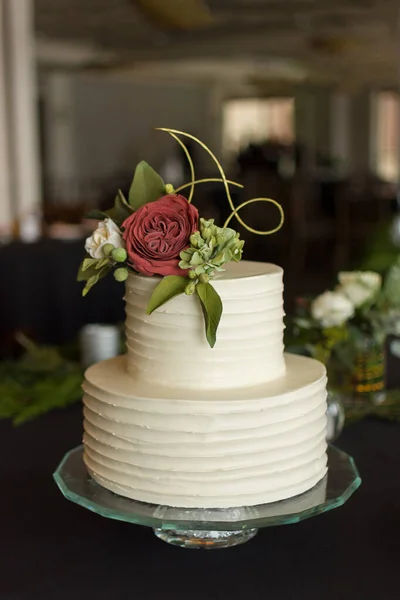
(208, 527)
(205, 540)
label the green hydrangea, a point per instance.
(210, 248)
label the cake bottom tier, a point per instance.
(238, 448)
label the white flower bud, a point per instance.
(106, 234)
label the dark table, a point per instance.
(52, 549)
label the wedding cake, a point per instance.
(175, 422)
(191, 417)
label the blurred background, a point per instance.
(299, 98)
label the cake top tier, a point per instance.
(169, 346)
(247, 269)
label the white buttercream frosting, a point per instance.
(177, 423)
(169, 347)
(217, 449)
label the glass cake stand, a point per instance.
(208, 528)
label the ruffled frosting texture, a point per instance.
(210, 452)
(170, 346)
(177, 423)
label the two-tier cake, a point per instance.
(176, 422)
(205, 410)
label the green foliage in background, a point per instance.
(41, 380)
(380, 252)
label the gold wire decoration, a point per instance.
(257, 231)
(217, 179)
(235, 210)
(189, 158)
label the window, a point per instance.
(255, 120)
(387, 135)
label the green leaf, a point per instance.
(89, 262)
(86, 269)
(95, 278)
(169, 287)
(87, 273)
(90, 267)
(197, 259)
(124, 201)
(147, 186)
(121, 210)
(211, 304)
(101, 263)
(89, 284)
(96, 214)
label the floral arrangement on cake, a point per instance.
(157, 231)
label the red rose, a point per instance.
(156, 234)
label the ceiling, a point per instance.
(348, 42)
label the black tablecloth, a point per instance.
(39, 293)
(52, 549)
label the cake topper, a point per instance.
(157, 231)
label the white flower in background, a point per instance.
(332, 309)
(360, 286)
(107, 232)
